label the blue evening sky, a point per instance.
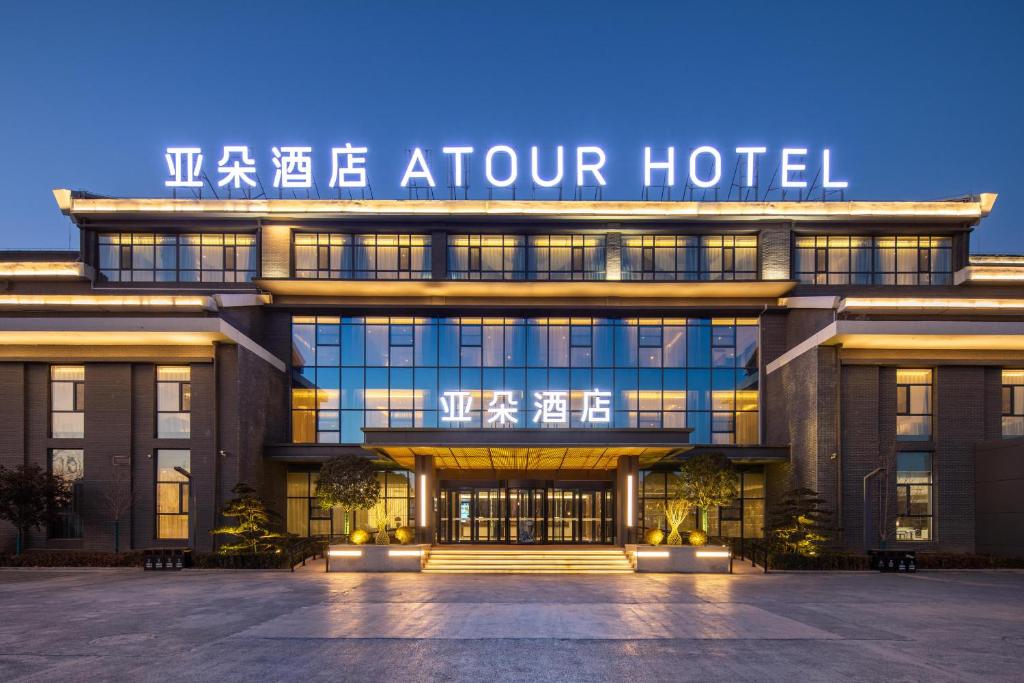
(917, 100)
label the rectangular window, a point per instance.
(69, 465)
(149, 257)
(744, 518)
(689, 257)
(306, 517)
(913, 405)
(173, 402)
(566, 257)
(1013, 403)
(914, 516)
(486, 257)
(850, 260)
(172, 494)
(67, 401)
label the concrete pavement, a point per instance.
(91, 625)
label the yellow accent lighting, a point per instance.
(713, 553)
(99, 301)
(16, 269)
(344, 553)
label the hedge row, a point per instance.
(925, 560)
(71, 558)
(79, 558)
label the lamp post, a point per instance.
(191, 506)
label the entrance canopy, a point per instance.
(526, 449)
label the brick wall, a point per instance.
(775, 250)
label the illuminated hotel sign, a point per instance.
(293, 166)
(550, 407)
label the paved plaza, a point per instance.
(127, 625)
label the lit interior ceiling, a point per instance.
(524, 457)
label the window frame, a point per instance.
(177, 242)
(824, 248)
(184, 387)
(1012, 403)
(904, 495)
(68, 517)
(687, 250)
(184, 492)
(904, 393)
(77, 398)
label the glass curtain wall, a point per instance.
(355, 372)
(743, 519)
(305, 517)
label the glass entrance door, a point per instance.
(526, 515)
(526, 512)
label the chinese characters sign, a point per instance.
(549, 407)
(503, 165)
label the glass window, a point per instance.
(914, 516)
(913, 405)
(69, 465)
(150, 257)
(700, 373)
(67, 401)
(846, 260)
(305, 517)
(172, 494)
(486, 257)
(566, 257)
(689, 257)
(743, 519)
(1013, 403)
(173, 402)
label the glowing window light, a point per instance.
(713, 553)
(423, 500)
(344, 553)
(629, 500)
(405, 553)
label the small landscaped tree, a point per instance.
(676, 512)
(799, 523)
(30, 497)
(348, 482)
(708, 481)
(117, 501)
(253, 531)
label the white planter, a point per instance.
(376, 558)
(681, 559)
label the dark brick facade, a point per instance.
(232, 413)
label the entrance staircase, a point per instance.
(529, 560)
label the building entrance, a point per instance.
(526, 512)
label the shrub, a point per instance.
(71, 558)
(654, 536)
(252, 533)
(697, 537)
(800, 523)
(405, 534)
(822, 561)
(359, 536)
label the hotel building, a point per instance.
(519, 371)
